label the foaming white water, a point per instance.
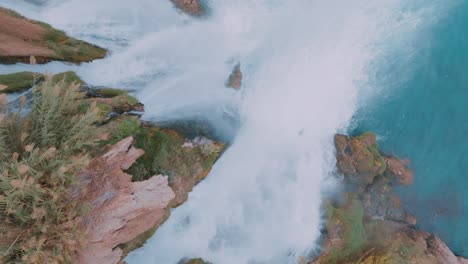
(304, 63)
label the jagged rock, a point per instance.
(27, 41)
(397, 168)
(121, 209)
(358, 157)
(191, 7)
(235, 79)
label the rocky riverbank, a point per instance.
(138, 173)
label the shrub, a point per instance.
(42, 152)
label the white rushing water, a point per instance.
(304, 64)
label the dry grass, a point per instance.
(40, 155)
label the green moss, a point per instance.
(104, 109)
(70, 49)
(351, 217)
(366, 155)
(68, 77)
(129, 126)
(165, 154)
(132, 100)
(110, 92)
(18, 82)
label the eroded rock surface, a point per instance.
(24, 40)
(121, 209)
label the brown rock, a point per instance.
(462, 260)
(359, 158)
(235, 79)
(411, 220)
(29, 41)
(397, 169)
(121, 209)
(191, 7)
(438, 248)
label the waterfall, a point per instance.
(305, 64)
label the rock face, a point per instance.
(121, 209)
(370, 225)
(235, 79)
(25, 40)
(191, 7)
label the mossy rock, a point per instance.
(68, 77)
(46, 43)
(19, 82)
(359, 157)
(345, 225)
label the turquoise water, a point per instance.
(424, 117)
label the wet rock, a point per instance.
(235, 79)
(397, 169)
(191, 7)
(121, 209)
(371, 225)
(358, 157)
(24, 40)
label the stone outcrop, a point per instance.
(121, 209)
(28, 41)
(191, 7)
(370, 225)
(235, 78)
(358, 157)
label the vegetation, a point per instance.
(18, 82)
(41, 153)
